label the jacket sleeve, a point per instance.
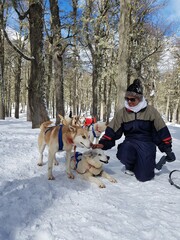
(162, 136)
(112, 133)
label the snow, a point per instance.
(33, 208)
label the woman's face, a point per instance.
(132, 101)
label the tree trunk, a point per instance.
(17, 85)
(95, 88)
(175, 112)
(76, 96)
(124, 29)
(2, 100)
(167, 109)
(36, 91)
(58, 50)
(109, 103)
(49, 88)
(8, 88)
(59, 87)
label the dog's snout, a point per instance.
(86, 146)
(108, 157)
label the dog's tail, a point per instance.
(45, 125)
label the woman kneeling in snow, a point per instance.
(144, 129)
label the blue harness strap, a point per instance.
(60, 138)
(93, 131)
(77, 154)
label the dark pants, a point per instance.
(139, 157)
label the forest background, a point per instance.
(57, 56)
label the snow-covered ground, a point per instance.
(33, 208)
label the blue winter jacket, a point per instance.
(147, 125)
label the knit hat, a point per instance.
(135, 89)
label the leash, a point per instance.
(171, 181)
(160, 164)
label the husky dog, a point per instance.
(90, 165)
(62, 137)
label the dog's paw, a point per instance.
(40, 164)
(102, 185)
(113, 180)
(51, 178)
(70, 175)
(56, 163)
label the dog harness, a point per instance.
(94, 131)
(76, 158)
(60, 138)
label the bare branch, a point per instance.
(16, 48)
(21, 17)
(150, 54)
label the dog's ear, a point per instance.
(61, 118)
(72, 129)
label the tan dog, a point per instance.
(90, 165)
(71, 136)
(95, 130)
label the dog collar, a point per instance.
(70, 141)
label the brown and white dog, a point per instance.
(65, 135)
(90, 165)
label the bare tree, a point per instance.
(75, 92)
(36, 86)
(2, 100)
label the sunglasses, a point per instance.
(130, 99)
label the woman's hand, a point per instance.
(97, 145)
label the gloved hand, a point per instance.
(170, 156)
